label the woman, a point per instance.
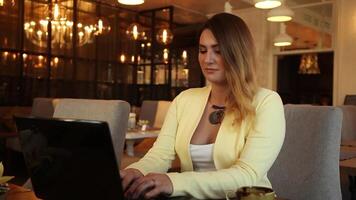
(226, 135)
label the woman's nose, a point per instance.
(209, 58)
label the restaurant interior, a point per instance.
(55, 53)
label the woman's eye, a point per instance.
(202, 51)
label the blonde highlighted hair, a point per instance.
(238, 51)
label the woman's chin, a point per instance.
(217, 82)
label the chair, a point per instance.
(13, 143)
(308, 165)
(348, 131)
(350, 100)
(43, 107)
(114, 112)
(154, 112)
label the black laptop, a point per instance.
(69, 159)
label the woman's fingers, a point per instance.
(128, 176)
(141, 189)
(150, 186)
(153, 193)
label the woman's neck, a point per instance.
(218, 95)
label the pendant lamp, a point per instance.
(283, 39)
(280, 14)
(267, 4)
(131, 2)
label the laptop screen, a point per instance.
(69, 159)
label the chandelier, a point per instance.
(4, 3)
(309, 64)
(62, 30)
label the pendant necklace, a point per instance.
(217, 115)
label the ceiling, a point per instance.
(189, 11)
(196, 11)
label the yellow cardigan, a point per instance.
(242, 153)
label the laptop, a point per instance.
(69, 159)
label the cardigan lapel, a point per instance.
(196, 108)
(225, 138)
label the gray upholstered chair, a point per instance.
(43, 107)
(348, 131)
(114, 112)
(308, 164)
(154, 112)
(350, 99)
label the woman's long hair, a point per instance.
(238, 52)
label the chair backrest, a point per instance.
(348, 131)
(350, 99)
(308, 165)
(154, 111)
(114, 112)
(13, 143)
(43, 107)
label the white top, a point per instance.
(202, 157)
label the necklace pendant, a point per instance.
(216, 117)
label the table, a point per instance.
(348, 164)
(20, 193)
(137, 134)
(347, 152)
(349, 143)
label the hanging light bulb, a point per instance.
(134, 31)
(122, 58)
(227, 7)
(280, 14)
(7, 3)
(165, 55)
(56, 11)
(184, 57)
(164, 36)
(267, 4)
(101, 27)
(283, 39)
(131, 2)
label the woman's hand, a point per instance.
(150, 186)
(128, 177)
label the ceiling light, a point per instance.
(309, 64)
(164, 36)
(280, 14)
(267, 4)
(227, 7)
(131, 2)
(62, 28)
(135, 31)
(283, 39)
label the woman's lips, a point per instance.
(210, 70)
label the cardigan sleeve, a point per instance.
(262, 145)
(159, 158)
